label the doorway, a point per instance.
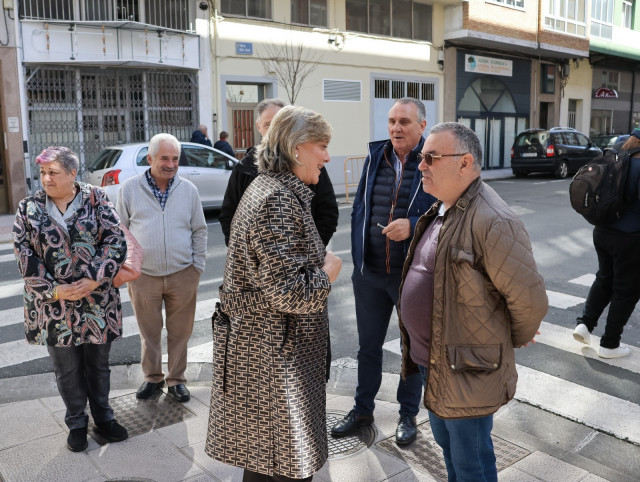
(487, 107)
(546, 115)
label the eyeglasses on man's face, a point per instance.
(429, 158)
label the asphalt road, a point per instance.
(562, 246)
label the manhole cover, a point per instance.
(351, 444)
(142, 416)
(425, 454)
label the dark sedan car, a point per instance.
(560, 151)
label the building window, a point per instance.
(398, 18)
(173, 14)
(627, 12)
(610, 80)
(566, 16)
(395, 89)
(573, 110)
(548, 79)
(247, 8)
(602, 19)
(509, 3)
(309, 12)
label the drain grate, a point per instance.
(351, 444)
(142, 416)
(425, 454)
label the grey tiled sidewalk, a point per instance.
(33, 435)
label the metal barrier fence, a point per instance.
(352, 170)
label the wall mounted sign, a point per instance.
(244, 48)
(488, 65)
(604, 93)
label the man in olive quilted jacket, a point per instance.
(473, 254)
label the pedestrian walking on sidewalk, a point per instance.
(268, 398)
(470, 294)
(617, 282)
(69, 249)
(164, 213)
(388, 203)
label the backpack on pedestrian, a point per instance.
(598, 191)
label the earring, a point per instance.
(296, 155)
(297, 161)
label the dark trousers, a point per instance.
(376, 295)
(617, 283)
(82, 372)
(249, 476)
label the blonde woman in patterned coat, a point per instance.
(268, 394)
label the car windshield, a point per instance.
(105, 160)
(537, 138)
(604, 140)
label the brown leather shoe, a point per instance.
(350, 423)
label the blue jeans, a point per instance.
(376, 295)
(466, 445)
(82, 372)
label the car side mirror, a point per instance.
(230, 164)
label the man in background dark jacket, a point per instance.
(223, 145)
(199, 136)
(324, 207)
(387, 206)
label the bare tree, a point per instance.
(291, 64)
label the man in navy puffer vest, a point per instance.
(387, 206)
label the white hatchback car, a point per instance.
(209, 169)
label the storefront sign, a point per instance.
(604, 93)
(488, 65)
(244, 48)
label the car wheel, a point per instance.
(519, 173)
(563, 170)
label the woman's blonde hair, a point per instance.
(290, 127)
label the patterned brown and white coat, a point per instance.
(268, 394)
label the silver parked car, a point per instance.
(209, 169)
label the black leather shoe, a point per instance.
(147, 389)
(350, 423)
(112, 431)
(407, 430)
(77, 439)
(180, 393)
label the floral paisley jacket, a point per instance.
(94, 247)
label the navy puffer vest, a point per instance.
(383, 255)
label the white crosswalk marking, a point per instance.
(18, 351)
(565, 398)
(584, 280)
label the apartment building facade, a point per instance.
(92, 73)
(614, 54)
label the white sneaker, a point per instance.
(614, 352)
(581, 334)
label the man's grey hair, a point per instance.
(266, 103)
(66, 157)
(291, 126)
(422, 112)
(154, 143)
(466, 140)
